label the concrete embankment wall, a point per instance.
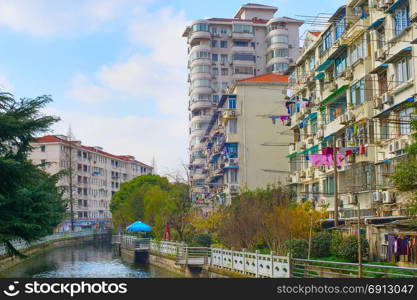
(7, 262)
(169, 263)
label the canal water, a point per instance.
(95, 259)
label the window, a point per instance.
(223, 58)
(43, 148)
(312, 62)
(380, 37)
(341, 63)
(326, 42)
(403, 70)
(242, 28)
(201, 83)
(244, 70)
(223, 30)
(225, 71)
(277, 39)
(244, 56)
(357, 93)
(225, 85)
(340, 25)
(401, 19)
(404, 117)
(223, 44)
(278, 67)
(214, 43)
(277, 53)
(199, 54)
(240, 44)
(215, 71)
(231, 103)
(232, 176)
(357, 51)
(201, 69)
(231, 126)
(213, 30)
(214, 57)
(384, 127)
(231, 150)
(200, 27)
(328, 185)
(215, 98)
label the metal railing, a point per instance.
(193, 255)
(21, 245)
(304, 268)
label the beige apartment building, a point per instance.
(243, 147)
(225, 50)
(96, 176)
(352, 87)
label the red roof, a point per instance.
(270, 77)
(55, 139)
(316, 33)
(254, 20)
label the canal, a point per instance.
(95, 259)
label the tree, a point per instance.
(405, 174)
(154, 199)
(31, 204)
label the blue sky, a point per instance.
(116, 69)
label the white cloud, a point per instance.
(5, 85)
(63, 17)
(159, 75)
(142, 137)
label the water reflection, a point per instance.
(88, 260)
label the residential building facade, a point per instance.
(240, 143)
(96, 176)
(225, 50)
(351, 90)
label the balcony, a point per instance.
(238, 77)
(242, 36)
(200, 104)
(200, 118)
(334, 126)
(199, 35)
(277, 31)
(245, 49)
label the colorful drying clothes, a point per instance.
(320, 160)
(282, 118)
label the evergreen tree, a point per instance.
(31, 205)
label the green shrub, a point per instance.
(201, 240)
(348, 248)
(320, 244)
(335, 242)
(299, 248)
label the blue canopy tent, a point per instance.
(138, 226)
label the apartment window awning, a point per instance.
(310, 150)
(376, 23)
(399, 54)
(292, 155)
(325, 65)
(231, 167)
(411, 99)
(319, 76)
(334, 94)
(214, 158)
(311, 116)
(395, 6)
(337, 52)
(378, 69)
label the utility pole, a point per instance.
(359, 242)
(335, 180)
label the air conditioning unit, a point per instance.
(413, 18)
(320, 133)
(310, 140)
(310, 173)
(322, 169)
(377, 103)
(302, 146)
(350, 199)
(388, 197)
(380, 54)
(377, 196)
(302, 174)
(333, 86)
(289, 179)
(387, 99)
(292, 147)
(344, 119)
(348, 75)
(383, 4)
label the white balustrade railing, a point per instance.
(255, 264)
(21, 245)
(165, 247)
